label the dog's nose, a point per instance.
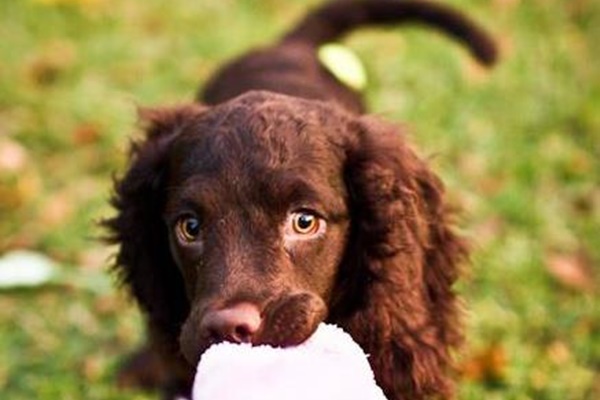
(238, 324)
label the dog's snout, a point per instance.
(239, 323)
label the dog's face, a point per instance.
(257, 213)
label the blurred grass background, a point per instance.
(519, 148)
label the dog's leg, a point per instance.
(158, 365)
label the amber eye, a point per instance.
(305, 223)
(188, 228)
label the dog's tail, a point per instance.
(335, 19)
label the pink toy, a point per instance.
(328, 366)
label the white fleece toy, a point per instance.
(328, 366)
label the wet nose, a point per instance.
(238, 324)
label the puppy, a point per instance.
(274, 204)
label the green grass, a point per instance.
(519, 149)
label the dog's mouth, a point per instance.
(285, 321)
(291, 319)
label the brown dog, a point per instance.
(274, 205)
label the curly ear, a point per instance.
(144, 263)
(402, 260)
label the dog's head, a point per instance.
(251, 203)
(257, 214)
(255, 220)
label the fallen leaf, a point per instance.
(573, 271)
(86, 134)
(13, 156)
(24, 268)
(487, 366)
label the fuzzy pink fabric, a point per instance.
(328, 366)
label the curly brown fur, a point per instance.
(238, 170)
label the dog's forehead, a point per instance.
(257, 133)
(259, 153)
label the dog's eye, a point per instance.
(188, 228)
(305, 223)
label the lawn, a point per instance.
(518, 146)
